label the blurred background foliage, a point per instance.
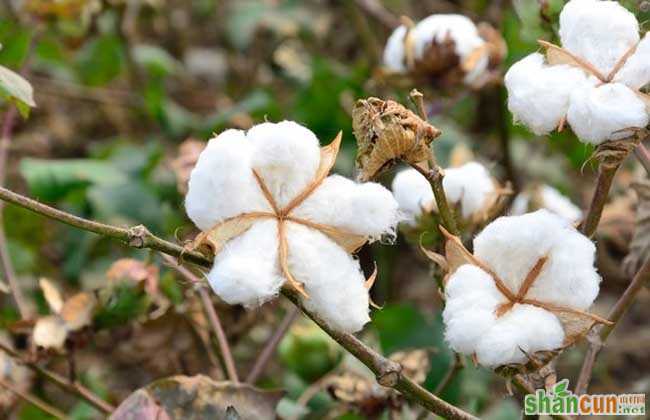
(127, 91)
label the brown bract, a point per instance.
(386, 133)
(214, 239)
(576, 323)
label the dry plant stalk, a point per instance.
(215, 239)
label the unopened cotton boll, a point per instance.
(412, 192)
(394, 56)
(221, 184)
(539, 94)
(598, 113)
(332, 278)
(246, 271)
(524, 327)
(635, 73)
(366, 209)
(600, 32)
(286, 155)
(470, 185)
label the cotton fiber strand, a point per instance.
(413, 193)
(470, 185)
(551, 200)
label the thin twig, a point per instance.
(388, 372)
(73, 387)
(643, 156)
(456, 366)
(213, 318)
(603, 184)
(32, 399)
(271, 345)
(601, 333)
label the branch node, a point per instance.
(137, 236)
(389, 374)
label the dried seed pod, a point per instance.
(386, 133)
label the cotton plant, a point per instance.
(549, 198)
(469, 187)
(524, 292)
(448, 47)
(593, 82)
(272, 216)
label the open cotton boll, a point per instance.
(412, 192)
(221, 184)
(635, 73)
(512, 245)
(555, 202)
(524, 327)
(471, 299)
(596, 114)
(470, 185)
(246, 271)
(600, 32)
(332, 278)
(286, 155)
(538, 94)
(366, 209)
(438, 27)
(394, 57)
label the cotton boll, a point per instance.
(438, 27)
(596, 114)
(600, 32)
(554, 201)
(471, 300)
(470, 185)
(332, 278)
(523, 327)
(394, 57)
(538, 94)
(286, 155)
(635, 73)
(412, 192)
(246, 271)
(520, 204)
(221, 184)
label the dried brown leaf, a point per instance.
(197, 397)
(52, 295)
(182, 165)
(640, 245)
(135, 271)
(77, 312)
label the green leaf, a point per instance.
(156, 60)
(14, 88)
(51, 180)
(100, 60)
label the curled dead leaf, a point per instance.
(640, 244)
(182, 165)
(52, 295)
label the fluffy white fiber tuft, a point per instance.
(510, 246)
(598, 113)
(470, 185)
(331, 276)
(538, 94)
(600, 32)
(635, 73)
(552, 200)
(412, 192)
(394, 56)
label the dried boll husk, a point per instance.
(386, 133)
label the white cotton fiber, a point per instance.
(438, 27)
(600, 32)
(364, 209)
(557, 203)
(394, 57)
(246, 271)
(635, 73)
(221, 184)
(524, 327)
(596, 114)
(512, 245)
(538, 94)
(412, 192)
(332, 278)
(471, 299)
(286, 155)
(50, 332)
(470, 185)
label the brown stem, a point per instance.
(603, 184)
(271, 345)
(379, 12)
(388, 372)
(49, 409)
(643, 156)
(600, 334)
(73, 387)
(213, 318)
(434, 176)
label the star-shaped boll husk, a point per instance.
(592, 82)
(270, 214)
(525, 289)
